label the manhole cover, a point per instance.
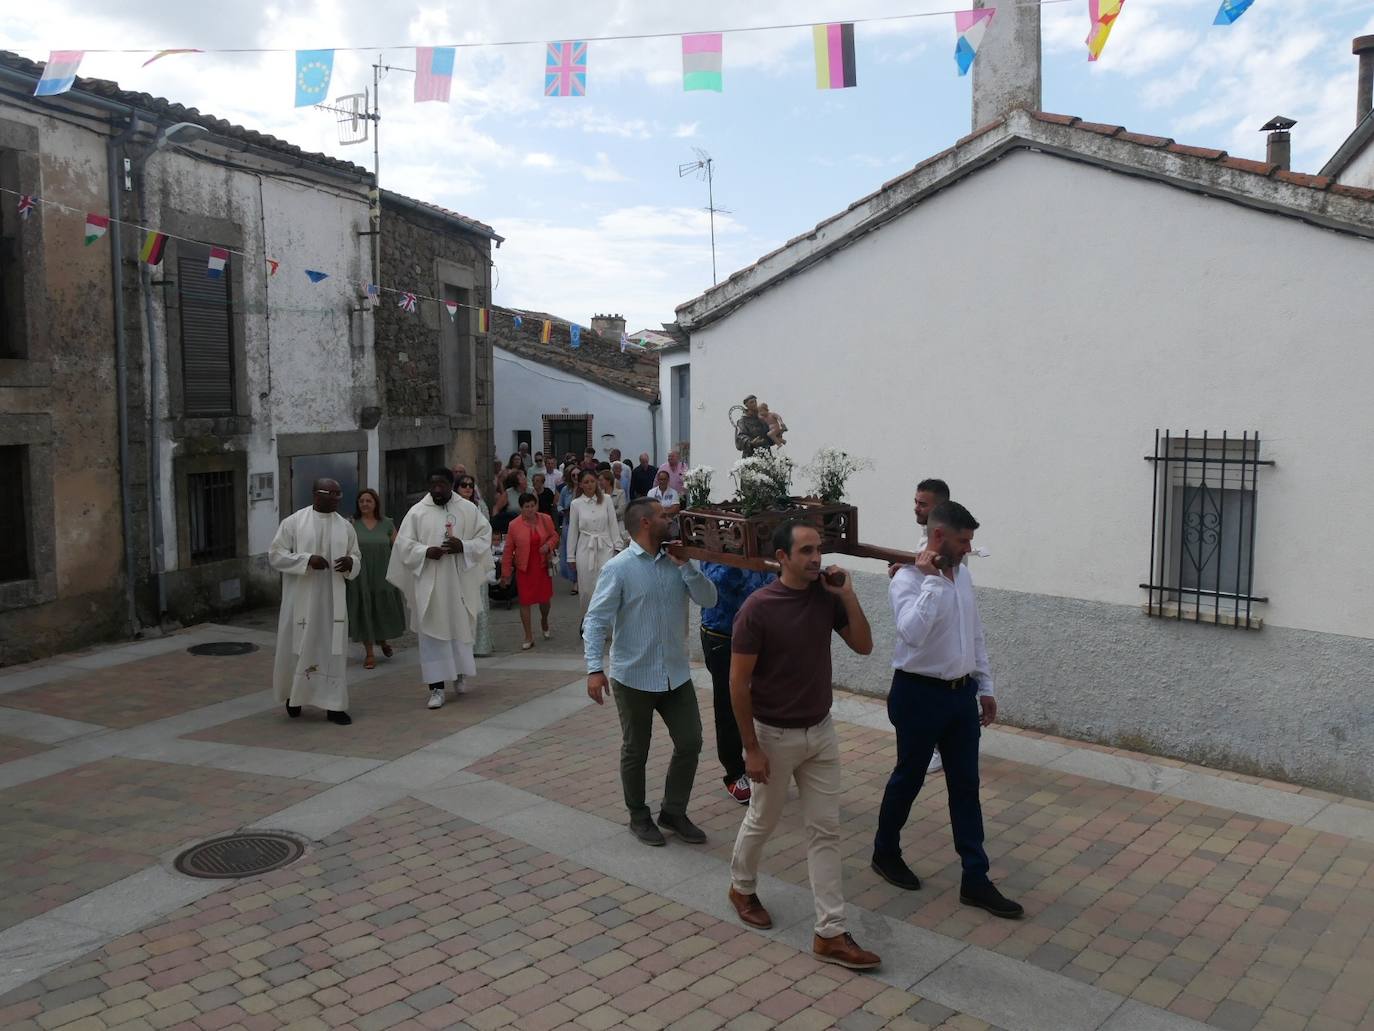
(223, 648)
(239, 855)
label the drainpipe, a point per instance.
(114, 167)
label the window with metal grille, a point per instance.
(14, 516)
(1202, 545)
(207, 334)
(213, 526)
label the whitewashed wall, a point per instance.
(1024, 333)
(525, 391)
(310, 364)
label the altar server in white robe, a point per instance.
(441, 560)
(315, 550)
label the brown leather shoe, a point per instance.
(750, 909)
(844, 951)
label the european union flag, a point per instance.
(575, 335)
(313, 69)
(1230, 10)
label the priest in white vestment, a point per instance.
(315, 550)
(440, 560)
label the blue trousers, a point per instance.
(927, 714)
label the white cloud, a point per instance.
(539, 159)
(604, 171)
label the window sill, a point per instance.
(24, 372)
(23, 594)
(1210, 617)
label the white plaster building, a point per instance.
(235, 392)
(1019, 315)
(556, 398)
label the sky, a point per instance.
(586, 190)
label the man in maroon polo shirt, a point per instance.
(781, 693)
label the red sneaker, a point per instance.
(740, 790)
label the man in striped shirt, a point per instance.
(641, 601)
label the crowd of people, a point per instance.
(766, 640)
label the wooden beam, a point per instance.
(765, 565)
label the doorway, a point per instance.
(567, 435)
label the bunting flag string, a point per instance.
(96, 227)
(1103, 14)
(1230, 11)
(314, 68)
(59, 74)
(168, 53)
(433, 73)
(702, 59)
(153, 248)
(971, 27)
(565, 69)
(834, 46)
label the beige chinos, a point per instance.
(811, 756)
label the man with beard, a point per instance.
(641, 601)
(941, 696)
(780, 690)
(315, 550)
(440, 561)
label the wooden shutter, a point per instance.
(207, 338)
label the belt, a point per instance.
(952, 685)
(715, 633)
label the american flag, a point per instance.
(407, 302)
(565, 69)
(26, 205)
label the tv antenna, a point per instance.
(353, 113)
(702, 168)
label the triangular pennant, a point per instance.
(315, 277)
(971, 27)
(272, 267)
(575, 335)
(407, 302)
(27, 203)
(1230, 10)
(1103, 14)
(214, 268)
(96, 227)
(483, 320)
(153, 245)
(546, 332)
(452, 308)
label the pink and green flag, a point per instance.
(701, 61)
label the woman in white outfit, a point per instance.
(612, 490)
(593, 534)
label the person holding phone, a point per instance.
(941, 696)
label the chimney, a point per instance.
(1280, 143)
(1006, 72)
(609, 325)
(1364, 85)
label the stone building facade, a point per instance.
(434, 370)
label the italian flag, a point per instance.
(96, 227)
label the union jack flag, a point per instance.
(407, 302)
(565, 69)
(26, 205)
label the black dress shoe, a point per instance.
(343, 719)
(292, 710)
(643, 828)
(894, 870)
(985, 896)
(682, 827)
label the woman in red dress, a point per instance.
(531, 541)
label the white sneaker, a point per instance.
(936, 763)
(436, 698)
(460, 686)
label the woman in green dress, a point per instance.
(376, 609)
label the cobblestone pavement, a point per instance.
(470, 868)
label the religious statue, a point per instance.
(776, 427)
(751, 431)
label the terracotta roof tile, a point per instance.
(1046, 116)
(1145, 140)
(598, 359)
(1246, 165)
(1207, 153)
(1316, 182)
(1357, 192)
(1098, 127)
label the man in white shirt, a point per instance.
(440, 561)
(941, 695)
(669, 499)
(553, 476)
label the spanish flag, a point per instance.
(153, 243)
(546, 333)
(483, 320)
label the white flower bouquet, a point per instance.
(763, 482)
(830, 471)
(696, 487)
